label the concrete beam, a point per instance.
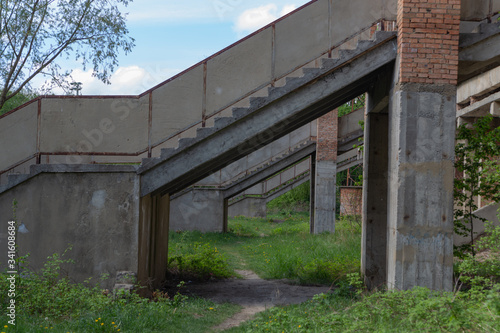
(480, 108)
(495, 109)
(265, 173)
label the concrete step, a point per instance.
(15, 179)
(204, 132)
(148, 161)
(221, 122)
(185, 142)
(258, 102)
(312, 71)
(240, 112)
(167, 152)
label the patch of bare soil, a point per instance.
(253, 294)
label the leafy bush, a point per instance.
(327, 271)
(52, 295)
(198, 261)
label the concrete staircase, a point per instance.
(267, 118)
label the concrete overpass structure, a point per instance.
(297, 69)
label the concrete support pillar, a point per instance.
(326, 173)
(421, 146)
(374, 232)
(312, 192)
(198, 209)
(153, 241)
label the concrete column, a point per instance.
(312, 192)
(374, 232)
(421, 146)
(198, 209)
(326, 173)
(153, 241)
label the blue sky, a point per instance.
(172, 35)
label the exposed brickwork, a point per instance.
(351, 200)
(326, 147)
(428, 33)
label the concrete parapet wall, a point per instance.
(479, 85)
(477, 10)
(127, 128)
(97, 213)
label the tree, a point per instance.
(35, 34)
(19, 99)
(478, 161)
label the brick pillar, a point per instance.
(421, 146)
(326, 173)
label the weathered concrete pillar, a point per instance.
(421, 146)
(312, 192)
(153, 240)
(198, 209)
(374, 232)
(326, 173)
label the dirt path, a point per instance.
(253, 294)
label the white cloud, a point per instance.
(255, 18)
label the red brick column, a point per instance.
(326, 147)
(325, 173)
(428, 33)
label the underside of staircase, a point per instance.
(298, 102)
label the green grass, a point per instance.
(417, 310)
(48, 301)
(281, 247)
(192, 315)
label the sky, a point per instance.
(172, 35)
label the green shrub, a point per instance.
(295, 200)
(198, 261)
(327, 271)
(52, 295)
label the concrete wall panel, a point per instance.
(474, 10)
(273, 182)
(18, 134)
(288, 175)
(350, 122)
(479, 85)
(303, 166)
(301, 37)
(350, 16)
(177, 104)
(94, 124)
(95, 212)
(239, 70)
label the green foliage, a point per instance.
(197, 261)
(353, 105)
(419, 309)
(17, 100)
(477, 159)
(292, 200)
(478, 274)
(35, 34)
(47, 300)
